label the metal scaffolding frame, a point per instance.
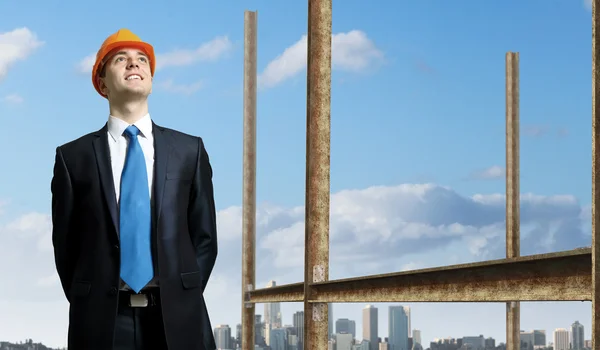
(562, 276)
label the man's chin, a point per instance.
(134, 93)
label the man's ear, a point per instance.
(102, 86)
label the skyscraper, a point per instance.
(223, 337)
(416, 334)
(278, 339)
(407, 311)
(259, 338)
(238, 334)
(577, 340)
(330, 320)
(343, 341)
(344, 325)
(561, 339)
(273, 311)
(398, 328)
(298, 323)
(539, 337)
(370, 332)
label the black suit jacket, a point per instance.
(86, 238)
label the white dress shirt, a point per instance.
(118, 142)
(117, 145)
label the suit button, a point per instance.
(113, 291)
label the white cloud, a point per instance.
(86, 65)
(352, 51)
(207, 52)
(375, 230)
(493, 172)
(183, 89)
(13, 99)
(16, 46)
(587, 4)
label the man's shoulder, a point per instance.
(80, 142)
(181, 137)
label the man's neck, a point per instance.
(130, 111)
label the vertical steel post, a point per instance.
(249, 182)
(318, 132)
(595, 170)
(513, 309)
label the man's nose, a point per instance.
(132, 64)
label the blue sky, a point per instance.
(417, 97)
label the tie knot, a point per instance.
(132, 131)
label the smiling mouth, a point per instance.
(133, 77)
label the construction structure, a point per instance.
(562, 276)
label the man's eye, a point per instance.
(144, 59)
(119, 59)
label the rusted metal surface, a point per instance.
(249, 185)
(551, 277)
(561, 276)
(318, 133)
(595, 179)
(285, 293)
(513, 222)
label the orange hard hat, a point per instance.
(123, 38)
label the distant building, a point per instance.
(344, 325)
(222, 335)
(273, 311)
(28, 344)
(561, 339)
(278, 339)
(369, 324)
(329, 321)
(577, 335)
(343, 341)
(298, 323)
(416, 336)
(398, 328)
(259, 335)
(476, 343)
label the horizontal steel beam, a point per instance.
(284, 293)
(560, 276)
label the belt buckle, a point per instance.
(138, 300)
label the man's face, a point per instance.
(127, 75)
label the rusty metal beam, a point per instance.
(293, 292)
(249, 184)
(318, 135)
(595, 169)
(513, 222)
(560, 276)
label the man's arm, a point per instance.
(202, 216)
(62, 209)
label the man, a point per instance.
(134, 224)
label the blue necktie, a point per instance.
(135, 219)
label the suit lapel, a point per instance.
(106, 177)
(162, 150)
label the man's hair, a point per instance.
(102, 73)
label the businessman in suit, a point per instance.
(134, 224)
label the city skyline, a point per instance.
(566, 335)
(417, 143)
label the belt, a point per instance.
(146, 298)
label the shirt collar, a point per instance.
(116, 127)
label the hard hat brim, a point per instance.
(108, 49)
